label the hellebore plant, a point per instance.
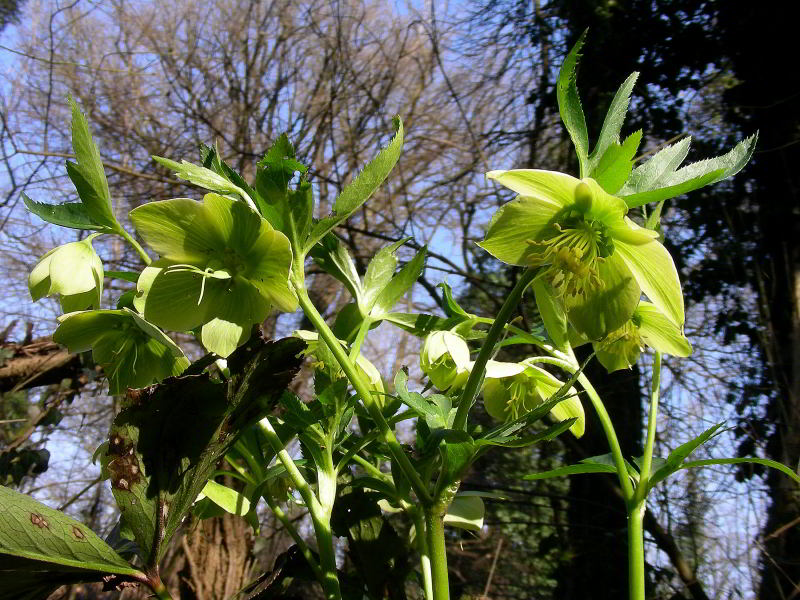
(225, 262)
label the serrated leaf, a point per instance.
(379, 272)
(578, 469)
(88, 174)
(204, 178)
(38, 540)
(69, 214)
(159, 460)
(612, 124)
(362, 187)
(333, 257)
(420, 324)
(400, 284)
(569, 105)
(616, 163)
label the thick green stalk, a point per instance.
(320, 514)
(636, 552)
(611, 437)
(159, 589)
(301, 544)
(495, 331)
(434, 537)
(424, 555)
(647, 459)
(136, 246)
(363, 392)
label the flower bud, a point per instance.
(74, 271)
(445, 359)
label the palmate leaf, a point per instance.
(159, 460)
(361, 188)
(42, 548)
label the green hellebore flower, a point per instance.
(648, 326)
(327, 362)
(73, 270)
(132, 352)
(596, 261)
(222, 266)
(511, 390)
(445, 360)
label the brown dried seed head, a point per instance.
(123, 484)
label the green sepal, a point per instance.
(361, 188)
(569, 105)
(552, 313)
(88, 175)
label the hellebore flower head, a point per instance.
(511, 390)
(222, 267)
(648, 326)
(325, 361)
(132, 352)
(596, 261)
(73, 270)
(445, 360)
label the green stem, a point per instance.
(424, 555)
(636, 552)
(320, 515)
(434, 536)
(160, 590)
(611, 436)
(647, 459)
(363, 392)
(495, 331)
(355, 348)
(136, 246)
(301, 544)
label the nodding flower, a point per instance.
(445, 360)
(593, 259)
(74, 271)
(222, 268)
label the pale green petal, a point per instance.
(73, 268)
(605, 207)
(179, 230)
(236, 222)
(39, 279)
(170, 297)
(655, 272)
(223, 337)
(558, 188)
(517, 222)
(618, 355)
(78, 302)
(609, 307)
(567, 409)
(495, 399)
(268, 262)
(154, 332)
(236, 306)
(629, 232)
(660, 333)
(79, 331)
(496, 369)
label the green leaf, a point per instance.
(420, 324)
(676, 458)
(671, 191)
(41, 545)
(123, 275)
(362, 187)
(465, 512)
(69, 214)
(612, 124)
(400, 283)
(332, 256)
(569, 105)
(457, 455)
(204, 178)
(736, 461)
(229, 500)
(451, 307)
(616, 164)
(379, 273)
(159, 460)
(578, 469)
(88, 175)
(275, 171)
